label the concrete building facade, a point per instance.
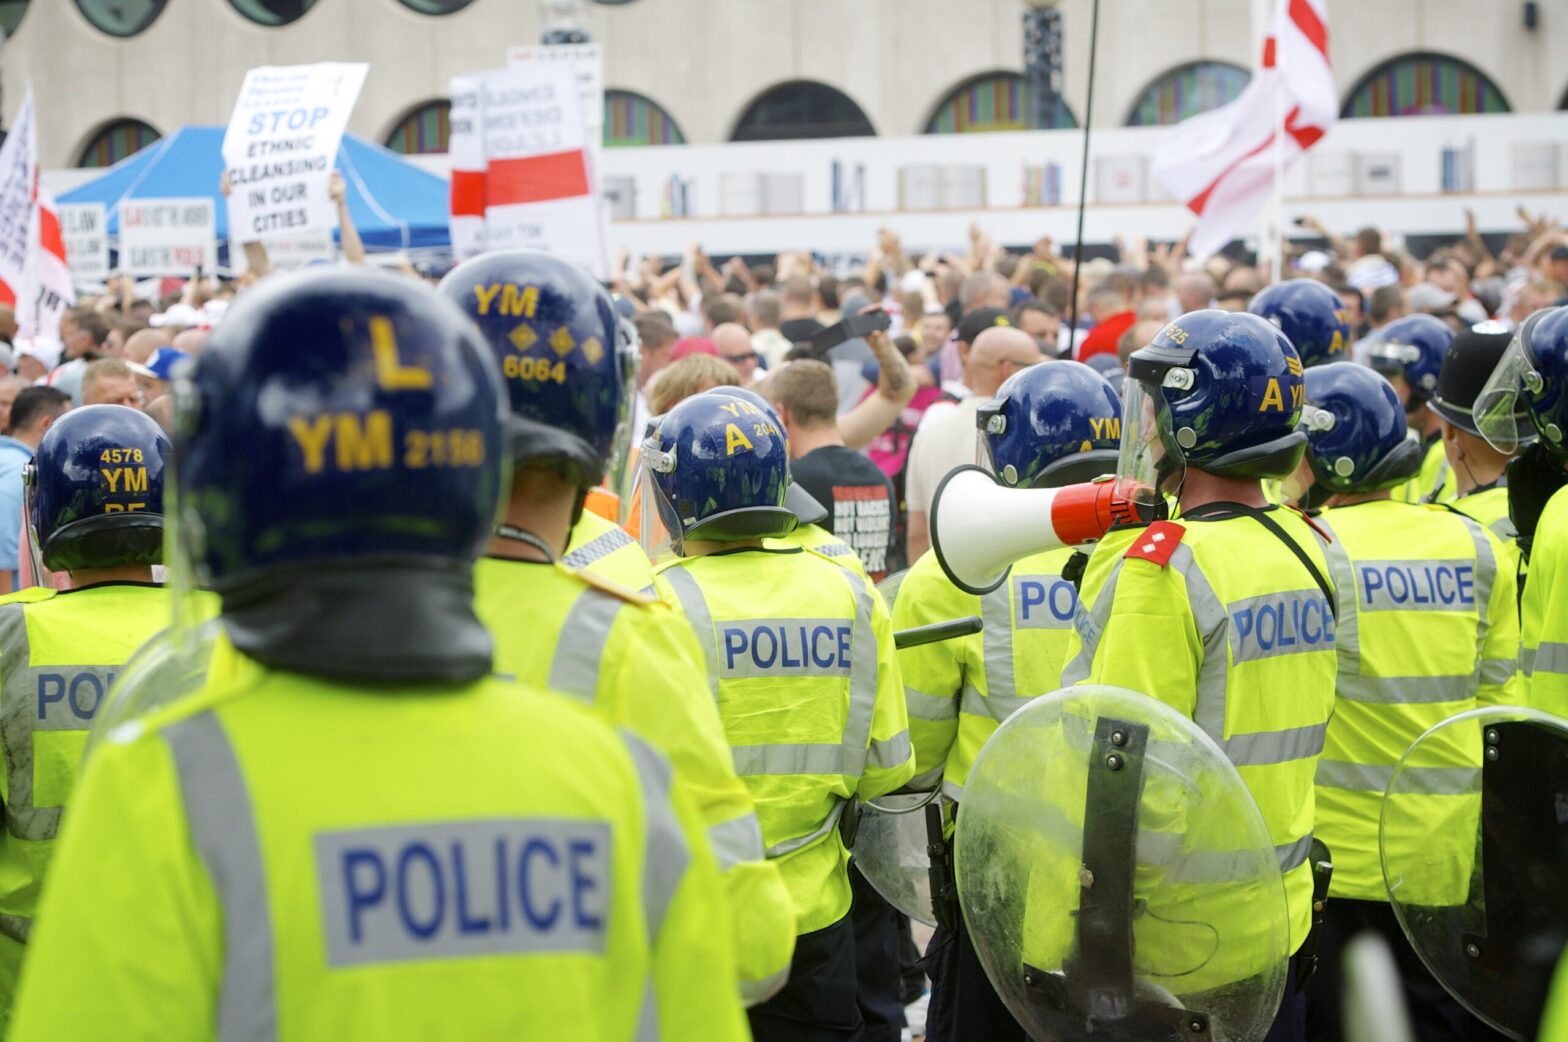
(697, 66)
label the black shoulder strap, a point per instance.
(1221, 511)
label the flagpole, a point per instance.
(1083, 180)
(1277, 224)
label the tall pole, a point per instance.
(1083, 178)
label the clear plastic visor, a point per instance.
(1149, 464)
(1499, 410)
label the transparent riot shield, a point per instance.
(892, 850)
(1474, 844)
(1116, 877)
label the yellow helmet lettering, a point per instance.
(1273, 398)
(733, 437)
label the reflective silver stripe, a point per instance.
(996, 638)
(927, 781)
(1550, 657)
(1214, 627)
(1497, 670)
(951, 789)
(994, 707)
(574, 669)
(1293, 855)
(1268, 747)
(695, 607)
(223, 827)
(1485, 573)
(888, 753)
(1090, 624)
(1364, 777)
(648, 1014)
(1406, 690)
(1503, 528)
(835, 549)
(1233, 866)
(788, 846)
(598, 547)
(665, 856)
(753, 992)
(736, 840)
(795, 758)
(862, 679)
(932, 708)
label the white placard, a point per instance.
(587, 64)
(168, 236)
(289, 252)
(280, 146)
(84, 227)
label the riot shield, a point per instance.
(1474, 842)
(1116, 877)
(892, 850)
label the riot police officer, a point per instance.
(358, 833)
(1049, 425)
(1409, 351)
(93, 499)
(1219, 612)
(569, 629)
(801, 664)
(1311, 316)
(1428, 627)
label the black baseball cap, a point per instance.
(979, 320)
(1467, 365)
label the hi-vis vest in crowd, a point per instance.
(605, 549)
(1434, 483)
(59, 653)
(1219, 619)
(286, 858)
(1428, 627)
(801, 663)
(635, 658)
(1543, 611)
(959, 691)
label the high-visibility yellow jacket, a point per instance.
(958, 691)
(59, 653)
(1428, 627)
(1218, 631)
(1434, 483)
(1490, 507)
(1543, 611)
(822, 542)
(801, 663)
(636, 659)
(605, 548)
(295, 858)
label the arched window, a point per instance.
(273, 12)
(801, 109)
(11, 12)
(121, 17)
(1186, 91)
(115, 141)
(425, 129)
(631, 119)
(993, 101)
(1423, 85)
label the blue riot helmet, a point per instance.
(565, 356)
(1528, 391)
(1357, 437)
(806, 507)
(1412, 348)
(94, 490)
(1052, 424)
(1310, 315)
(1220, 391)
(717, 468)
(341, 460)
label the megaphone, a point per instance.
(979, 526)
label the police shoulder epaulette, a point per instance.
(614, 589)
(29, 595)
(1157, 543)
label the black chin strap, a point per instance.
(527, 538)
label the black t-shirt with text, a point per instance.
(860, 501)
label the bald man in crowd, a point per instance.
(735, 347)
(139, 346)
(946, 438)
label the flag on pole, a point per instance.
(33, 268)
(50, 289)
(1222, 164)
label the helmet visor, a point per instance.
(1149, 464)
(1499, 408)
(650, 507)
(620, 474)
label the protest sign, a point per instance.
(168, 236)
(466, 149)
(291, 252)
(587, 64)
(281, 144)
(18, 171)
(83, 227)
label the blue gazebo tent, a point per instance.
(393, 203)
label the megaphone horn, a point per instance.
(979, 526)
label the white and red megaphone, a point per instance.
(979, 526)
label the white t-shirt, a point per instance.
(946, 439)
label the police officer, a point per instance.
(361, 834)
(1218, 614)
(94, 504)
(1310, 315)
(801, 663)
(1053, 424)
(1480, 481)
(1528, 394)
(1409, 351)
(577, 633)
(1428, 627)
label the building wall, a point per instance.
(705, 60)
